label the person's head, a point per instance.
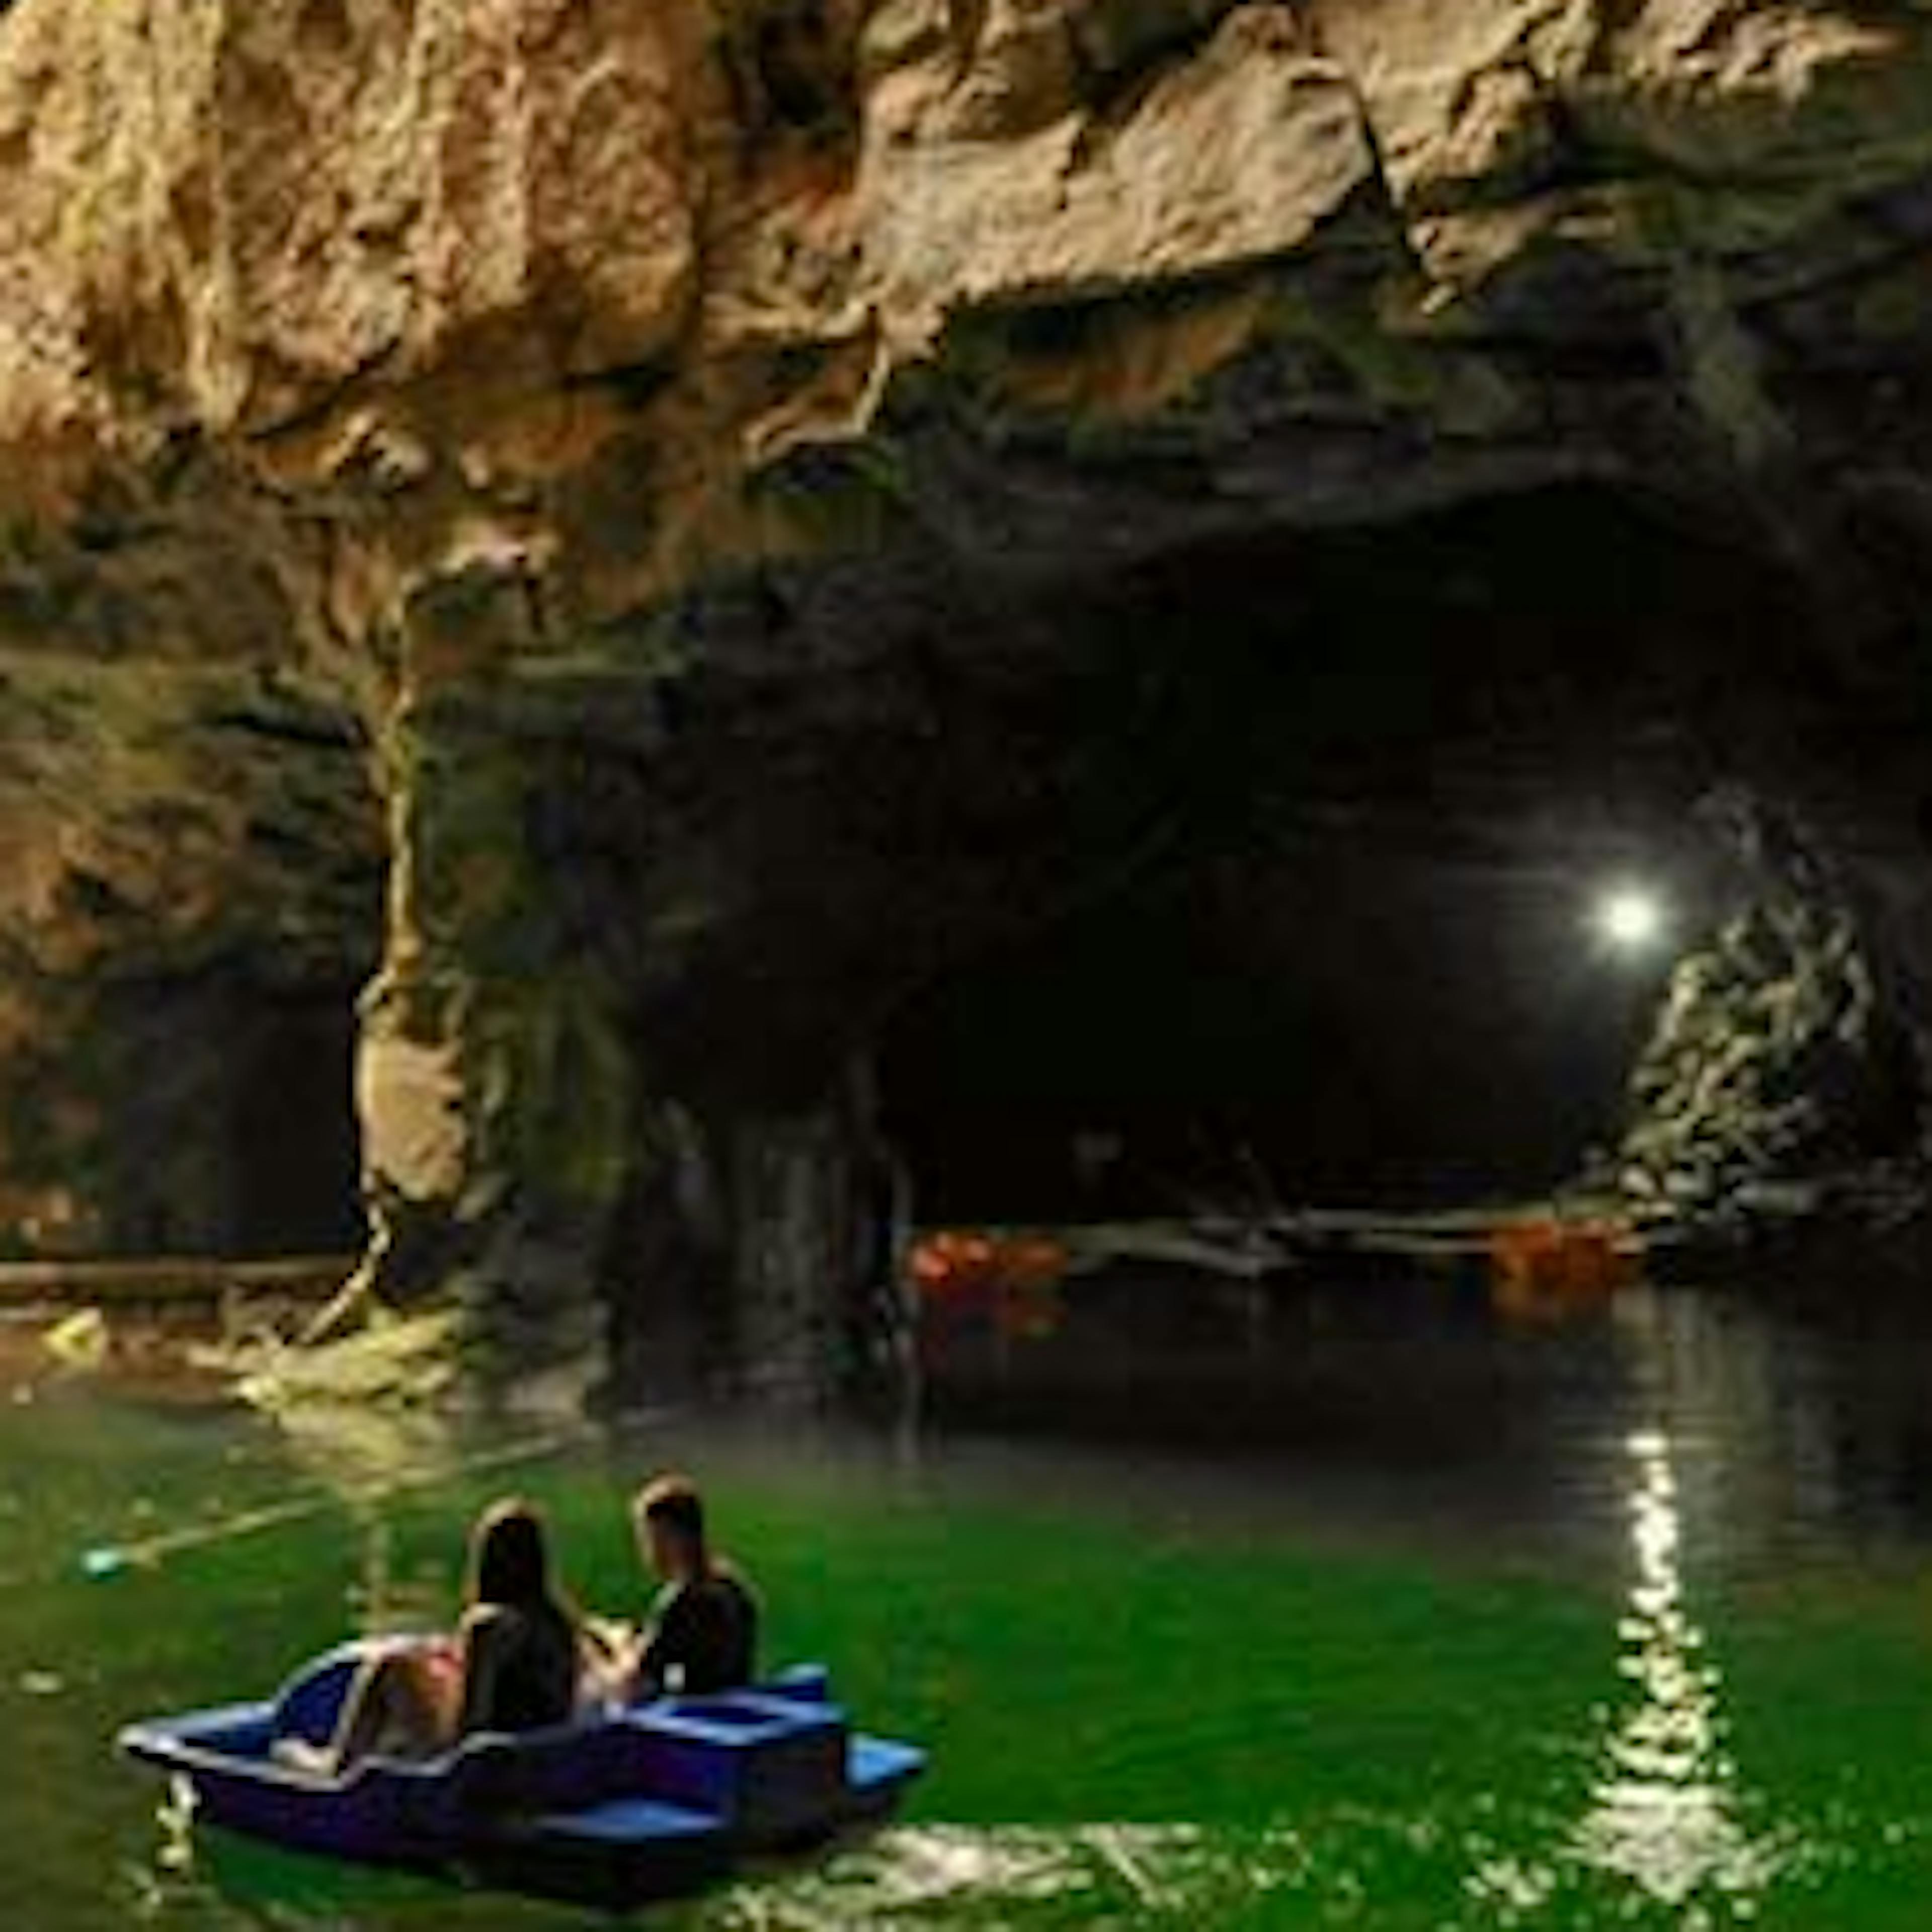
(669, 1517)
(509, 1562)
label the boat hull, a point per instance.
(644, 1802)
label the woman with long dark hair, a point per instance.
(512, 1665)
(520, 1641)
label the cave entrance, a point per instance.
(296, 1148)
(1394, 769)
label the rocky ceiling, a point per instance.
(732, 509)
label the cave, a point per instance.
(1073, 599)
(297, 1152)
(196, 892)
(232, 1132)
(1381, 774)
(1257, 869)
(1254, 869)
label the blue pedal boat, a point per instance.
(642, 1802)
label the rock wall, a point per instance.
(1770, 1060)
(190, 892)
(665, 443)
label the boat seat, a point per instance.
(769, 1766)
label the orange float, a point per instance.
(1544, 1270)
(1013, 1279)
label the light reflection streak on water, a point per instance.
(1662, 1815)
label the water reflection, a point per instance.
(1663, 1810)
(1667, 1821)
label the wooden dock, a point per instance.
(1251, 1247)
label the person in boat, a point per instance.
(512, 1664)
(703, 1633)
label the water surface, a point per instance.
(1624, 1621)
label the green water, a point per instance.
(1661, 1655)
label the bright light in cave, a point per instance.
(1630, 919)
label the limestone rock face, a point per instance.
(666, 447)
(1768, 1061)
(226, 213)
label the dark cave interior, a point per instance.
(233, 1133)
(1396, 768)
(1366, 1029)
(297, 1150)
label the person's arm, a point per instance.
(608, 1641)
(665, 1644)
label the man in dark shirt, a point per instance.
(703, 1631)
